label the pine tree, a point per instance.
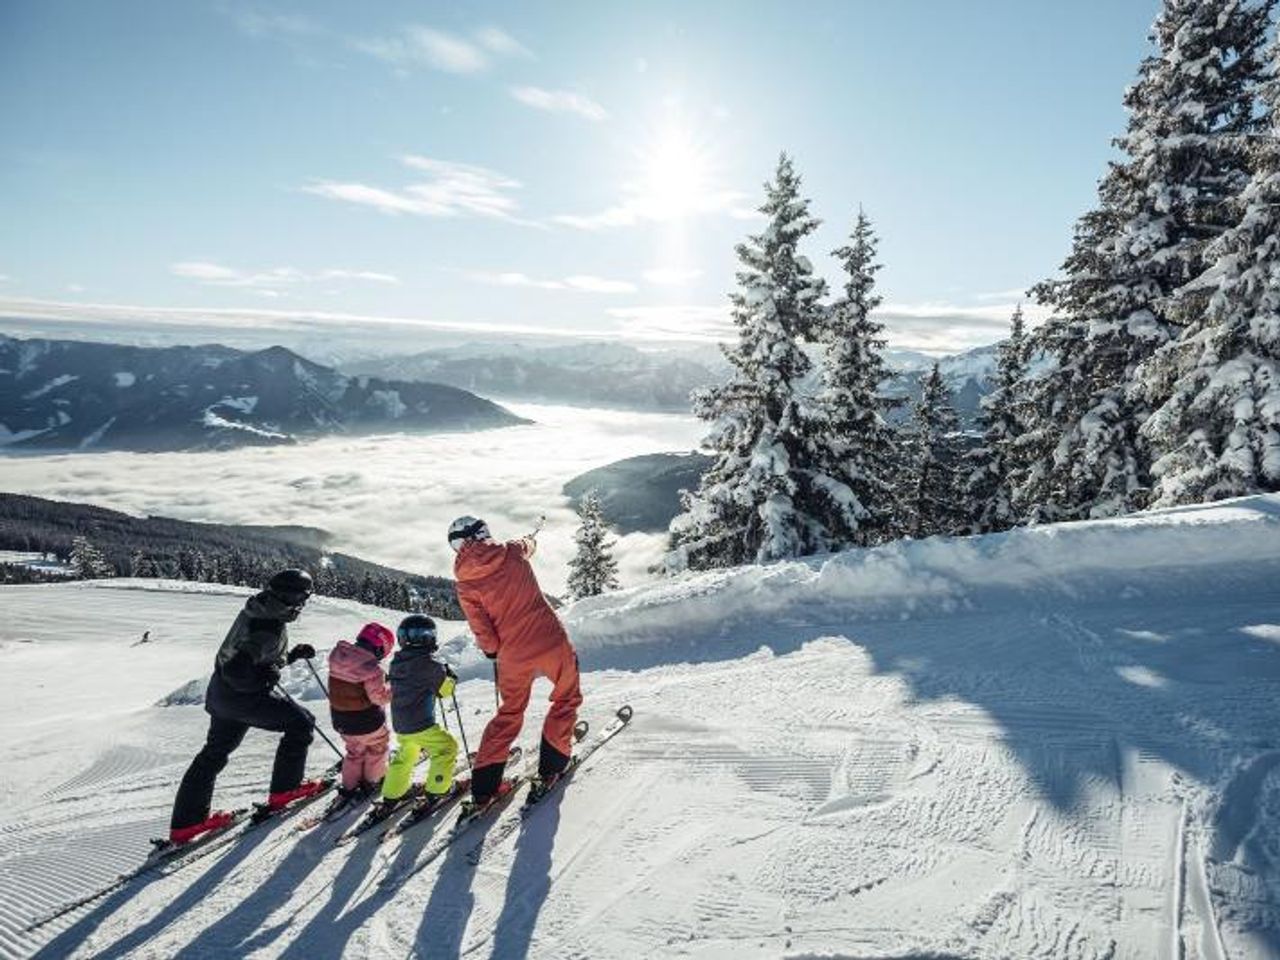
(993, 468)
(1184, 164)
(766, 496)
(593, 569)
(1217, 433)
(87, 560)
(860, 444)
(140, 565)
(933, 502)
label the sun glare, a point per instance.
(677, 176)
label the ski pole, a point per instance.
(315, 673)
(462, 730)
(497, 701)
(314, 726)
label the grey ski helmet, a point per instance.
(467, 528)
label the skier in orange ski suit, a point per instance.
(516, 627)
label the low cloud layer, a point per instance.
(390, 498)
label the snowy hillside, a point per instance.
(1054, 742)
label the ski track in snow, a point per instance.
(1080, 765)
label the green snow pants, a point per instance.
(441, 747)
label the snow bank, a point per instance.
(1113, 559)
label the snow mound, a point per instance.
(1129, 556)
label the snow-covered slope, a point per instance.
(1056, 742)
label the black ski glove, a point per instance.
(303, 651)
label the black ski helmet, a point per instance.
(293, 586)
(417, 630)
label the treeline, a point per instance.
(1157, 376)
(96, 543)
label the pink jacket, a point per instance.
(356, 680)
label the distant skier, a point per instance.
(358, 692)
(241, 695)
(514, 625)
(417, 679)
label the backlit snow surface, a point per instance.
(1057, 742)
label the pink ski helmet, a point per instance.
(377, 638)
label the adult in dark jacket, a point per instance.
(241, 694)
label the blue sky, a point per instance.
(555, 167)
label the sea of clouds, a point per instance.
(387, 498)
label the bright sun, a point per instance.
(677, 176)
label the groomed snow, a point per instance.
(1056, 742)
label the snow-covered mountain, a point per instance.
(1054, 742)
(585, 374)
(616, 375)
(60, 394)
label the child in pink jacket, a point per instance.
(358, 692)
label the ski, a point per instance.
(417, 805)
(164, 855)
(539, 789)
(467, 818)
(424, 807)
(166, 858)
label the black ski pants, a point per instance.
(231, 714)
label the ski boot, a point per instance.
(180, 836)
(283, 798)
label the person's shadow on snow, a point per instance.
(529, 882)
(445, 918)
(327, 933)
(78, 933)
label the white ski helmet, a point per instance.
(467, 528)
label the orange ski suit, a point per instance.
(511, 618)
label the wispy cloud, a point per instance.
(560, 101)
(419, 46)
(671, 276)
(639, 206)
(939, 327)
(427, 47)
(256, 23)
(583, 283)
(499, 41)
(449, 190)
(5, 278)
(686, 322)
(269, 282)
(1013, 293)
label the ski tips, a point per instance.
(624, 713)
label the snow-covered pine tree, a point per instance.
(860, 444)
(1217, 433)
(140, 565)
(593, 569)
(933, 503)
(1184, 164)
(87, 561)
(766, 496)
(993, 467)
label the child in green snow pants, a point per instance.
(441, 747)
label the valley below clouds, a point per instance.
(386, 498)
